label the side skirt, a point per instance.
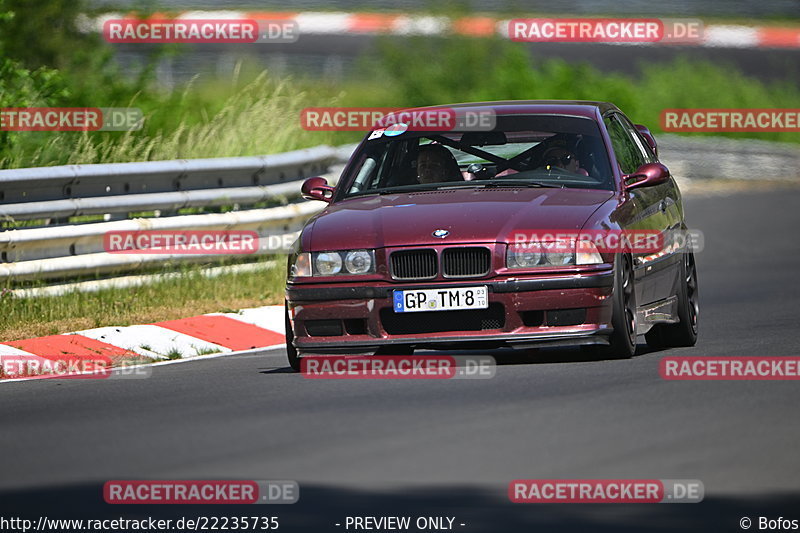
(661, 312)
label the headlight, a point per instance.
(301, 266)
(343, 263)
(328, 263)
(538, 254)
(358, 262)
(560, 258)
(587, 254)
(549, 254)
(522, 257)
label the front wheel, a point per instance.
(623, 338)
(291, 351)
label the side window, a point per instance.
(629, 155)
(649, 156)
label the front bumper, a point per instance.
(545, 310)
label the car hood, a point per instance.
(470, 215)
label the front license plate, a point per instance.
(441, 299)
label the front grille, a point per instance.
(414, 264)
(466, 262)
(441, 321)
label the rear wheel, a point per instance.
(684, 333)
(291, 351)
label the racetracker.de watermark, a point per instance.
(392, 121)
(607, 241)
(21, 366)
(230, 31)
(181, 242)
(730, 119)
(606, 491)
(606, 30)
(201, 492)
(71, 119)
(398, 367)
(730, 368)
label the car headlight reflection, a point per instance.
(523, 257)
(358, 262)
(301, 266)
(328, 263)
(587, 254)
(546, 254)
(343, 262)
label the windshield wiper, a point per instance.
(390, 190)
(457, 185)
(518, 183)
(429, 187)
(399, 190)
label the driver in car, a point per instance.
(562, 158)
(436, 164)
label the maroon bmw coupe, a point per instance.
(504, 236)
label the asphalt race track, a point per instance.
(450, 448)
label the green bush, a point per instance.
(425, 71)
(46, 61)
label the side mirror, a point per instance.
(647, 175)
(651, 141)
(317, 189)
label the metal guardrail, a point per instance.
(735, 159)
(63, 191)
(60, 249)
(63, 250)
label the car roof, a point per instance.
(583, 108)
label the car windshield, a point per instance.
(521, 150)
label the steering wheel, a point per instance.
(557, 169)
(479, 171)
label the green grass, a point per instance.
(256, 113)
(174, 353)
(188, 295)
(206, 351)
(257, 117)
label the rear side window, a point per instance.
(628, 154)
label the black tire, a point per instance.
(623, 338)
(291, 351)
(684, 333)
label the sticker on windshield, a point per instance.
(375, 134)
(396, 129)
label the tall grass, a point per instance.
(182, 296)
(218, 118)
(260, 117)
